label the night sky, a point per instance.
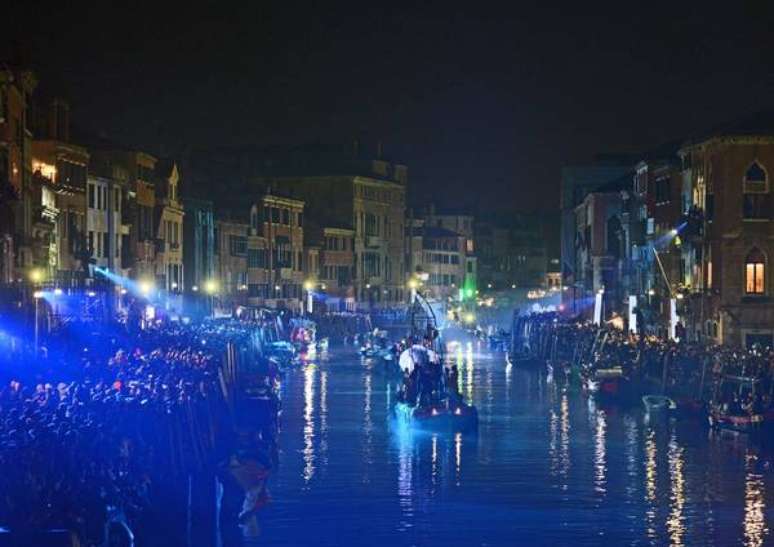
(484, 104)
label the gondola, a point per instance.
(443, 410)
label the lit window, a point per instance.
(755, 271)
(756, 193)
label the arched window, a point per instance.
(755, 272)
(756, 193)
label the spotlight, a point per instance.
(58, 292)
(38, 294)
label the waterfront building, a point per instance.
(168, 227)
(439, 254)
(199, 238)
(60, 171)
(16, 235)
(727, 181)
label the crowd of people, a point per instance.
(685, 370)
(111, 439)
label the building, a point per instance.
(277, 252)
(729, 234)
(168, 227)
(60, 172)
(199, 238)
(462, 224)
(140, 228)
(512, 252)
(576, 183)
(336, 270)
(230, 251)
(440, 255)
(370, 200)
(17, 240)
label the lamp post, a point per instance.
(309, 287)
(211, 288)
(37, 296)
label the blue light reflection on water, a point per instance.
(547, 467)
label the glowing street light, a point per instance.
(146, 287)
(195, 288)
(308, 285)
(37, 275)
(38, 294)
(58, 292)
(211, 286)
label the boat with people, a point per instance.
(738, 405)
(429, 397)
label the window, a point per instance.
(275, 215)
(117, 193)
(755, 269)
(756, 193)
(91, 196)
(285, 217)
(256, 258)
(237, 245)
(300, 219)
(105, 244)
(91, 242)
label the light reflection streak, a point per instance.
(309, 456)
(675, 522)
(458, 455)
(630, 450)
(324, 418)
(651, 469)
(755, 529)
(405, 477)
(368, 427)
(600, 454)
(564, 445)
(469, 367)
(435, 459)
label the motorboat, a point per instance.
(658, 403)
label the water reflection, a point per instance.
(309, 376)
(651, 470)
(675, 522)
(457, 456)
(558, 464)
(600, 453)
(324, 419)
(755, 529)
(368, 427)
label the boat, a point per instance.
(727, 413)
(440, 408)
(605, 381)
(444, 416)
(658, 403)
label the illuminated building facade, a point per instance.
(729, 234)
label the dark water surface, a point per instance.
(545, 468)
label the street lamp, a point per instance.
(37, 275)
(38, 295)
(211, 288)
(146, 287)
(309, 287)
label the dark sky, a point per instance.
(484, 105)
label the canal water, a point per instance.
(546, 467)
